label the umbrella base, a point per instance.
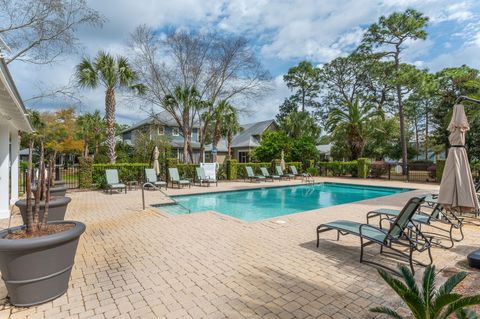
(474, 259)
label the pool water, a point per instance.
(263, 203)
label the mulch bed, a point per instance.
(50, 230)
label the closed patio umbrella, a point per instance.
(457, 190)
(156, 164)
(282, 161)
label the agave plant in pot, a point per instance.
(36, 258)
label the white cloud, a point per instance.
(282, 30)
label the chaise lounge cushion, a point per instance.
(354, 228)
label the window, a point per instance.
(175, 131)
(243, 157)
(160, 130)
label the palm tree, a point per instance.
(230, 127)
(184, 104)
(223, 110)
(428, 302)
(298, 124)
(353, 119)
(91, 128)
(112, 73)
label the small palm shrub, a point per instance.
(427, 302)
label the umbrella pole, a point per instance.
(474, 257)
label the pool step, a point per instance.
(174, 209)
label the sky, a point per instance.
(282, 33)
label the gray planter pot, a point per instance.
(56, 209)
(37, 270)
(56, 191)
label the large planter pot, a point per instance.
(56, 208)
(55, 191)
(37, 270)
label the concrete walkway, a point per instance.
(147, 264)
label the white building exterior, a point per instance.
(13, 119)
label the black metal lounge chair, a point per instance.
(267, 175)
(252, 177)
(402, 233)
(437, 215)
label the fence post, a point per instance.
(389, 171)
(408, 173)
(57, 172)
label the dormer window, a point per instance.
(175, 131)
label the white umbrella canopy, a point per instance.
(282, 161)
(457, 190)
(156, 164)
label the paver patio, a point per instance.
(132, 263)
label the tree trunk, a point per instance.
(216, 138)
(426, 133)
(110, 115)
(417, 146)
(303, 100)
(203, 137)
(28, 181)
(229, 144)
(403, 137)
(85, 150)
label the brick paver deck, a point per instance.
(132, 263)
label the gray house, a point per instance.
(165, 125)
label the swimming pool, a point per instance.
(263, 203)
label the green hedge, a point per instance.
(231, 169)
(363, 167)
(338, 168)
(126, 172)
(439, 169)
(85, 174)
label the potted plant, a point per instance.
(36, 259)
(55, 203)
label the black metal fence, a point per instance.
(68, 174)
(423, 173)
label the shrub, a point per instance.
(362, 167)
(378, 169)
(85, 174)
(187, 171)
(231, 169)
(222, 172)
(126, 172)
(440, 168)
(339, 168)
(312, 171)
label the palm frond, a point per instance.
(85, 74)
(442, 301)
(451, 283)
(466, 314)
(387, 311)
(428, 283)
(461, 304)
(409, 279)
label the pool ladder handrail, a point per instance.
(158, 188)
